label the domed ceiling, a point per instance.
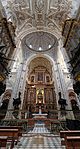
(40, 41)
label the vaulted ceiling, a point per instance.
(40, 62)
(39, 12)
(45, 16)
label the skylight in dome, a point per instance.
(49, 46)
(30, 46)
(40, 49)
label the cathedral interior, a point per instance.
(40, 74)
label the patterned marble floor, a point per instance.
(39, 138)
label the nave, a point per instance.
(39, 74)
(39, 138)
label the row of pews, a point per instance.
(70, 139)
(10, 134)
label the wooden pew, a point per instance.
(69, 133)
(13, 127)
(64, 134)
(73, 142)
(3, 141)
(12, 135)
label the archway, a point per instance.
(39, 89)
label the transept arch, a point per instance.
(32, 88)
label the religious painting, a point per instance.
(40, 94)
(40, 76)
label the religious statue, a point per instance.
(16, 103)
(62, 102)
(4, 104)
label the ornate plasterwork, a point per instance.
(39, 13)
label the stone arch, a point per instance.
(25, 32)
(47, 57)
(34, 87)
(40, 55)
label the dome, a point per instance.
(40, 41)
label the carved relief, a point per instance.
(7, 94)
(47, 79)
(57, 11)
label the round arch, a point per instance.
(25, 32)
(40, 55)
(51, 62)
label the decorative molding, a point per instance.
(39, 13)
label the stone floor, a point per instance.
(39, 138)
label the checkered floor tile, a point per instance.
(39, 138)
